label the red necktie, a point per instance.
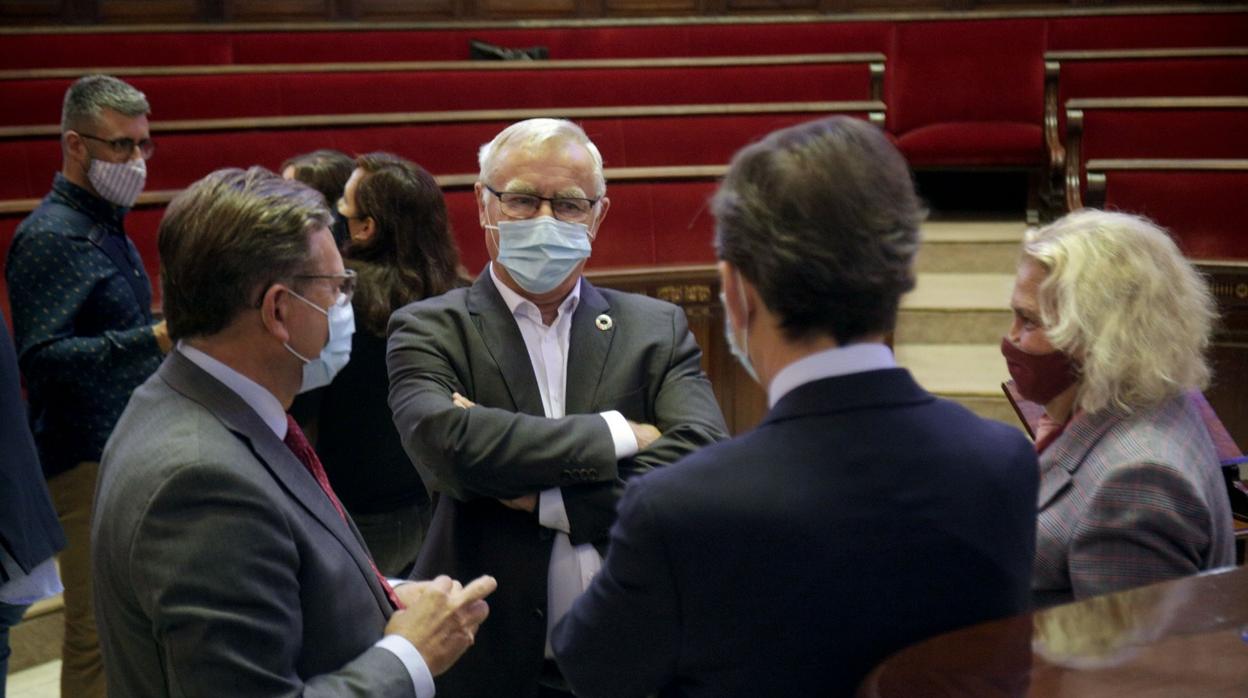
(298, 444)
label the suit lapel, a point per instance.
(198, 385)
(588, 346)
(503, 341)
(1060, 460)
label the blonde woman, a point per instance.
(1109, 333)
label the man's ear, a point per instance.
(275, 311)
(603, 205)
(735, 297)
(478, 191)
(74, 146)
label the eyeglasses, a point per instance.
(566, 208)
(122, 147)
(342, 211)
(345, 285)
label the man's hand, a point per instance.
(163, 340)
(526, 502)
(645, 434)
(461, 401)
(441, 618)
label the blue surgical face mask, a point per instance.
(741, 351)
(320, 371)
(539, 253)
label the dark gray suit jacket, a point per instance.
(646, 365)
(221, 568)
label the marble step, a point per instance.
(37, 639)
(956, 308)
(970, 374)
(970, 246)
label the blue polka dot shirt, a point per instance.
(82, 319)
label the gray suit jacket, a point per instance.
(1127, 501)
(646, 364)
(221, 568)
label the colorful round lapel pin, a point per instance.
(604, 322)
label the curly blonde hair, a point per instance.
(1121, 297)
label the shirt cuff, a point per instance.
(621, 434)
(407, 653)
(551, 513)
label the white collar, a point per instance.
(255, 395)
(841, 361)
(515, 301)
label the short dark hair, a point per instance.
(325, 170)
(412, 253)
(824, 220)
(226, 238)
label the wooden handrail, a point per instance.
(1187, 164)
(1158, 103)
(1147, 53)
(398, 118)
(454, 181)
(428, 66)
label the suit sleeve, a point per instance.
(622, 636)
(1144, 523)
(483, 451)
(214, 567)
(687, 415)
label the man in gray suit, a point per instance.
(528, 398)
(224, 563)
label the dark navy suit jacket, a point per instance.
(29, 531)
(861, 516)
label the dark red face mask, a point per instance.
(1039, 377)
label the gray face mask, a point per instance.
(118, 182)
(740, 351)
(320, 371)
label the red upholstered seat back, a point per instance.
(1155, 77)
(1149, 31)
(443, 148)
(1164, 133)
(285, 94)
(225, 47)
(965, 71)
(1206, 211)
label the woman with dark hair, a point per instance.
(401, 248)
(326, 171)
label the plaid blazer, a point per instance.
(1128, 500)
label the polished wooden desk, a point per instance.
(1187, 637)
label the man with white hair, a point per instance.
(83, 324)
(529, 398)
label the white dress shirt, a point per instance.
(841, 361)
(571, 566)
(270, 410)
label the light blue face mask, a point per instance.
(541, 252)
(320, 372)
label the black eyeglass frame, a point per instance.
(553, 203)
(125, 146)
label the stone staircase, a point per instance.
(950, 327)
